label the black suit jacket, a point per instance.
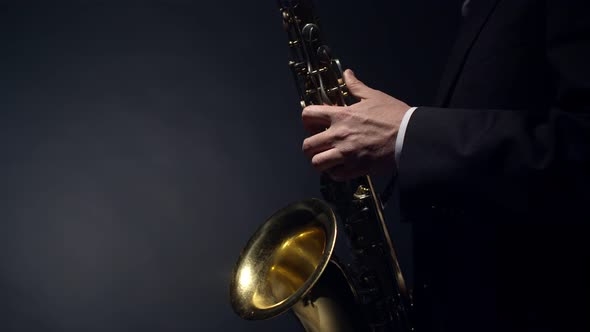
(496, 178)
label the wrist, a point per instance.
(399, 140)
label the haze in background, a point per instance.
(142, 142)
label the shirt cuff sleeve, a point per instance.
(399, 141)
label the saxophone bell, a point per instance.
(288, 264)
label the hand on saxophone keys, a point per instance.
(360, 138)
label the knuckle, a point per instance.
(344, 113)
(340, 133)
(349, 154)
(336, 116)
(346, 150)
(353, 84)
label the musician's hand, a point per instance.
(360, 138)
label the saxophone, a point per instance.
(289, 263)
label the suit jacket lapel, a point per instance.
(479, 12)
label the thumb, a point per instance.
(355, 86)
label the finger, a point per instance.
(327, 159)
(356, 87)
(317, 117)
(318, 143)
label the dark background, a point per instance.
(142, 142)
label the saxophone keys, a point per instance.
(361, 193)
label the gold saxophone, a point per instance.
(289, 263)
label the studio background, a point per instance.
(142, 143)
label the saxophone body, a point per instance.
(289, 263)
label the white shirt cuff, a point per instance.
(399, 141)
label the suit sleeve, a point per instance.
(508, 164)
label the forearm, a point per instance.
(459, 160)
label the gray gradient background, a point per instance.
(142, 143)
